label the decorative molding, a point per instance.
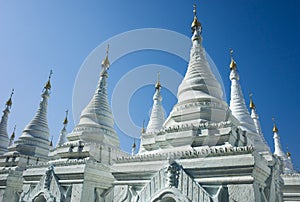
(187, 154)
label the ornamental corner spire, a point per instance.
(62, 137)
(157, 116)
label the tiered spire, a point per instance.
(277, 145)
(261, 144)
(157, 117)
(4, 140)
(35, 137)
(278, 151)
(237, 101)
(199, 94)
(62, 137)
(96, 121)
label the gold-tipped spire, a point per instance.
(232, 63)
(157, 85)
(66, 118)
(12, 137)
(195, 22)
(251, 105)
(9, 101)
(106, 62)
(275, 129)
(48, 84)
(143, 128)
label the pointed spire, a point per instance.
(143, 131)
(96, 122)
(260, 142)
(278, 151)
(199, 91)
(232, 63)
(251, 105)
(48, 84)
(288, 154)
(157, 85)
(62, 137)
(237, 102)
(143, 128)
(289, 167)
(275, 129)
(34, 140)
(133, 148)
(105, 62)
(277, 144)
(195, 24)
(9, 101)
(157, 116)
(12, 137)
(51, 142)
(4, 140)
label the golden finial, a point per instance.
(275, 129)
(232, 63)
(66, 118)
(143, 128)
(251, 105)
(12, 137)
(287, 152)
(195, 22)
(48, 84)
(106, 62)
(157, 85)
(9, 101)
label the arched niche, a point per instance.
(40, 198)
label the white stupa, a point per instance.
(96, 122)
(34, 140)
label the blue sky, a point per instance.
(38, 36)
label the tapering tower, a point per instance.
(34, 140)
(96, 122)
(261, 144)
(62, 137)
(278, 151)
(143, 132)
(289, 163)
(157, 117)
(277, 144)
(199, 94)
(4, 140)
(237, 101)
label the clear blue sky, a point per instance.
(36, 36)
